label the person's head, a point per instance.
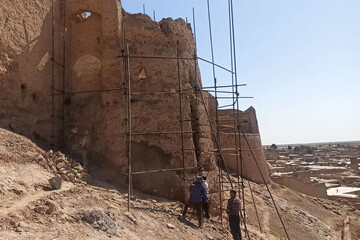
(232, 193)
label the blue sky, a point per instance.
(300, 59)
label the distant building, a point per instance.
(349, 193)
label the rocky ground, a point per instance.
(96, 209)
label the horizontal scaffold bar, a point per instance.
(177, 58)
(165, 133)
(164, 170)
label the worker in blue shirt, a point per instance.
(198, 194)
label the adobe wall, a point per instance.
(310, 189)
(247, 119)
(354, 164)
(94, 121)
(25, 67)
(161, 112)
(247, 167)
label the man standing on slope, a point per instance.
(197, 195)
(206, 203)
(233, 210)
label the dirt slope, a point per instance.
(98, 210)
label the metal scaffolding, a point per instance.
(230, 91)
(57, 95)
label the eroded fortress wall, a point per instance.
(93, 127)
(25, 67)
(158, 112)
(249, 144)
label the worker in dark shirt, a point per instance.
(198, 194)
(205, 203)
(233, 210)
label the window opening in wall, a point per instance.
(23, 87)
(83, 16)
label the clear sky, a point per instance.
(300, 59)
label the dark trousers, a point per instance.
(205, 206)
(198, 208)
(234, 221)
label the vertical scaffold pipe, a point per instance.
(52, 74)
(181, 112)
(216, 110)
(64, 77)
(129, 124)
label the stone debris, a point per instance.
(210, 237)
(47, 207)
(100, 220)
(170, 226)
(66, 168)
(131, 217)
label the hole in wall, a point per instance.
(67, 101)
(87, 14)
(82, 16)
(35, 97)
(142, 74)
(23, 87)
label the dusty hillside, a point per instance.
(28, 210)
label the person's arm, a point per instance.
(239, 206)
(228, 209)
(204, 192)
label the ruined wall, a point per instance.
(25, 67)
(247, 119)
(308, 188)
(94, 120)
(354, 164)
(92, 123)
(159, 112)
(247, 166)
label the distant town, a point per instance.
(325, 170)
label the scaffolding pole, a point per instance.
(52, 74)
(57, 133)
(181, 113)
(165, 170)
(129, 125)
(216, 111)
(266, 185)
(63, 78)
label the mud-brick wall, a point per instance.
(311, 189)
(247, 119)
(161, 112)
(25, 65)
(94, 120)
(246, 165)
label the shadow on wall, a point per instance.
(27, 100)
(144, 158)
